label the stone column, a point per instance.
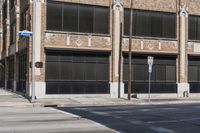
(40, 86)
(117, 11)
(17, 29)
(7, 44)
(183, 86)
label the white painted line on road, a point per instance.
(165, 121)
(67, 113)
(145, 110)
(136, 122)
(161, 130)
(196, 107)
(100, 113)
(169, 108)
(191, 119)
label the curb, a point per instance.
(114, 104)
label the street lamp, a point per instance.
(130, 54)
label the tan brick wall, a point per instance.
(151, 46)
(90, 2)
(78, 41)
(155, 5)
(193, 7)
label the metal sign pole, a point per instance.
(149, 97)
(130, 52)
(150, 64)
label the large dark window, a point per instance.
(86, 18)
(12, 33)
(77, 18)
(194, 27)
(12, 4)
(4, 10)
(10, 81)
(101, 20)
(22, 69)
(151, 23)
(24, 23)
(77, 73)
(70, 18)
(54, 16)
(4, 39)
(163, 77)
(194, 74)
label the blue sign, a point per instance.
(25, 33)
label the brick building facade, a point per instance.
(78, 43)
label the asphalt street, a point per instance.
(144, 118)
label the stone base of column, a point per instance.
(183, 89)
(6, 87)
(114, 90)
(40, 89)
(15, 86)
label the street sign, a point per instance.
(150, 60)
(25, 33)
(150, 63)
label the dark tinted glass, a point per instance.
(66, 70)
(171, 73)
(70, 21)
(65, 88)
(77, 18)
(125, 70)
(169, 25)
(160, 73)
(193, 73)
(91, 88)
(52, 57)
(102, 73)
(78, 71)
(198, 28)
(143, 24)
(90, 71)
(126, 21)
(101, 17)
(156, 25)
(52, 71)
(78, 87)
(192, 28)
(4, 10)
(151, 24)
(12, 4)
(139, 72)
(86, 18)
(54, 16)
(52, 88)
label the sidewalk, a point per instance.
(102, 101)
(9, 99)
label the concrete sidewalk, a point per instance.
(9, 99)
